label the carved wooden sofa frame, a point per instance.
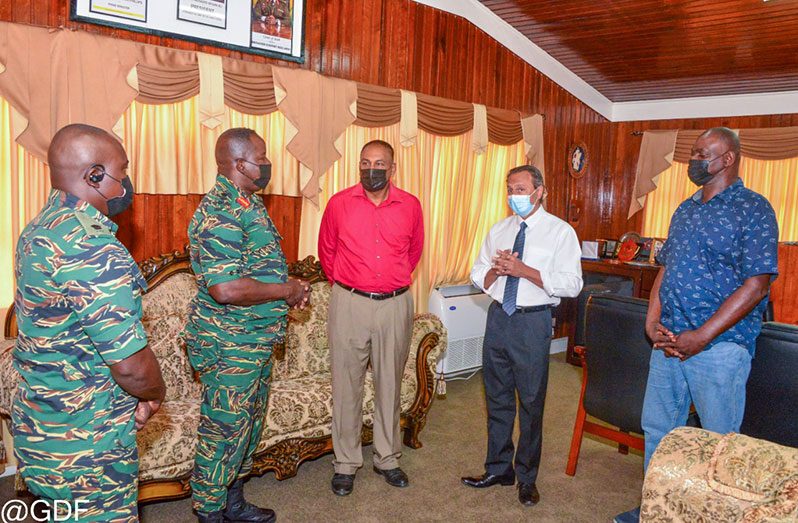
(284, 457)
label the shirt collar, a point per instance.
(59, 198)
(726, 194)
(229, 187)
(392, 194)
(532, 219)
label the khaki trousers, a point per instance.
(361, 329)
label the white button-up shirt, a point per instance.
(550, 246)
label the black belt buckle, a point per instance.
(531, 308)
(374, 295)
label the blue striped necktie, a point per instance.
(511, 285)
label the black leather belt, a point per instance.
(374, 295)
(533, 308)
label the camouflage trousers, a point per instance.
(107, 492)
(231, 422)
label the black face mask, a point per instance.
(119, 204)
(698, 171)
(373, 179)
(265, 174)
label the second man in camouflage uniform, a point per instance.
(236, 317)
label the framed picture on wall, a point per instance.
(577, 159)
(273, 28)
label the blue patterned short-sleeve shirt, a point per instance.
(712, 248)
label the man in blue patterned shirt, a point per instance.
(707, 304)
(708, 300)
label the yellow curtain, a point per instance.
(776, 180)
(462, 195)
(171, 153)
(24, 185)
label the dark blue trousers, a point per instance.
(515, 360)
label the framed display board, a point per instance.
(273, 28)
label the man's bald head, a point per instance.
(77, 147)
(89, 163)
(232, 144)
(727, 138)
(240, 152)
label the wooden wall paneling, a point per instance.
(784, 292)
(405, 45)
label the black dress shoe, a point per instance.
(394, 477)
(342, 484)
(488, 480)
(528, 494)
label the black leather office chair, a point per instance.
(615, 372)
(597, 284)
(771, 403)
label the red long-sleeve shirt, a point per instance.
(368, 247)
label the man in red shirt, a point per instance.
(370, 241)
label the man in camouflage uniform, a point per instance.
(88, 379)
(238, 313)
(273, 11)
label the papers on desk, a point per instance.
(590, 250)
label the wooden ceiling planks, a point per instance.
(651, 49)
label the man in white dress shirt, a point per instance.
(527, 263)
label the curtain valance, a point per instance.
(75, 76)
(661, 148)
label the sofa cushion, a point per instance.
(164, 318)
(171, 297)
(301, 403)
(307, 353)
(168, 440)
(751, 469)
(690, 479)
(9, 378)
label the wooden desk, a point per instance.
(642, 277)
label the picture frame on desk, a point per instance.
(656, 247)
(610, 249)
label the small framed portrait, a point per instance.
(656, 247)
(577, 159)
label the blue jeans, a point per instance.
(714, 380)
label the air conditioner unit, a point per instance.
(463, 309)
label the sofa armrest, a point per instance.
(9, 378)
(8, 385)
(428, 341)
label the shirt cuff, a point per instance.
(222, 277)
(126, 345)
(545, 278)
(478, 278)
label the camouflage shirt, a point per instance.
(230, 237)
(78, 306)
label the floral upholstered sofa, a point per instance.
(298, 419)
(697, 475)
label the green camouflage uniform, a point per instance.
(231, 236)
(78, 305)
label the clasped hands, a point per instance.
(298, 293)
(144, 411)
(507, 263)
(682, 346)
